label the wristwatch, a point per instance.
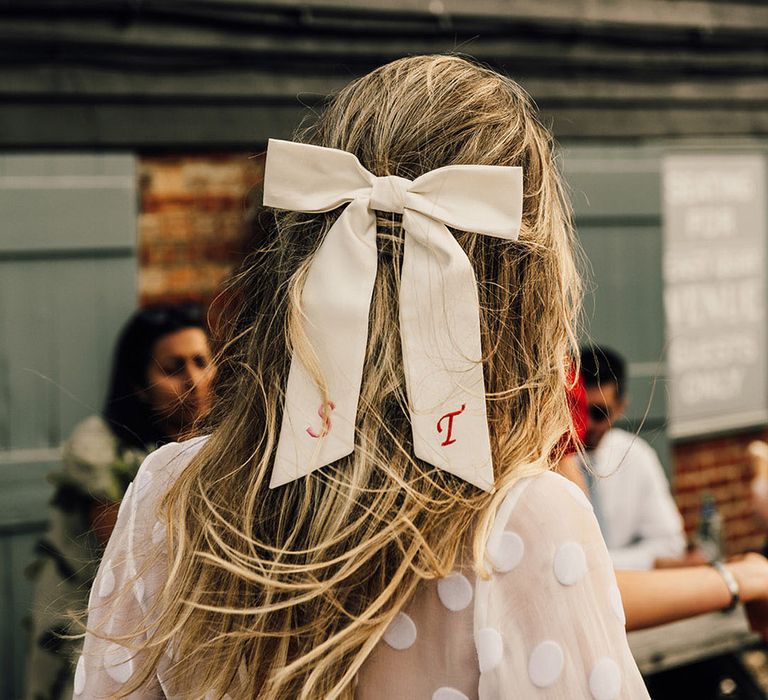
(731, 582)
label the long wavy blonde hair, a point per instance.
(300, 582)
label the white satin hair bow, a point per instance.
(439, 316)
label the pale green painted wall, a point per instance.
(67, 283)
(616, 195)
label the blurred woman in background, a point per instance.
(160, 385)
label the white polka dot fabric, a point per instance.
(126, 502)
(158, 533)
(79, 682)
(579, 496)
(448, 694)
(401, 633)
(616, 604)
(131, 572)
(118, 662)
(490, 649)
(605, 680)
(106, 580)
(455, 591)
(547, 622)
(570, 563)
(545, 664)
(505, 551)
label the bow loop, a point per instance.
(483, 199)
(301, 177)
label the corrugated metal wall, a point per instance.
(161, 74)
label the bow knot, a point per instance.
(438, 303)
(388, 194)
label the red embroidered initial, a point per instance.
(450, 417)
(325, 414)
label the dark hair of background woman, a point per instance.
(129, 417)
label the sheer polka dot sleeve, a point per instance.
(132, 571)
(549, 623)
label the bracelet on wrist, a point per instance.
(730, 582)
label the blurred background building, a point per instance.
(129, 141)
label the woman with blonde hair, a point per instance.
(374, 512)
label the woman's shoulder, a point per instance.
(550, 609)
(138, 518)
(544, 503)
(544, 487)
(163, 466)
(174, 456)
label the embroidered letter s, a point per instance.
(325, 414)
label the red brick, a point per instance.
(719, 467)
(191, 225)
(748, 543)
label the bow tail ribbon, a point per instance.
(440, 331)
(318, 429)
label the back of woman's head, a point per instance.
(302, 580)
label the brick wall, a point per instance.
(191, 223)
(720, 467)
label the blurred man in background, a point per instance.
(629, 490)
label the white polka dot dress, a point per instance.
(547, 622)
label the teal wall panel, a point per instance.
(616, 197)
(24, 495)
(613, 182)
(58, 321)
(7, 629)
(68, 281)
(28, 349)
(21, 546)
(92, 197)
(624, 306)
(24, 491)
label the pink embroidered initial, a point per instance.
(325, 414)
(450, 417)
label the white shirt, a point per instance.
(638, 516)
(546, 624)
